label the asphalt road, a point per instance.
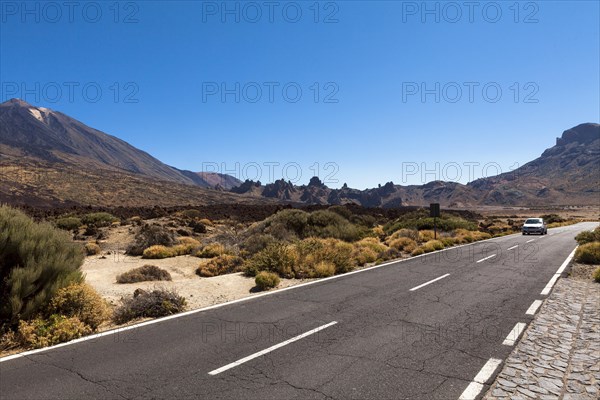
(385, 333)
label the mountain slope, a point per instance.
(50, 136)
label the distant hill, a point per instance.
(49, 158)
(566, 174)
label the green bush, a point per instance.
(327, 224)
(220, 265)
(266, 280)
(289, 225)
(143, 274)
(432, 245)
(256, 243)
(596, 275)
(420, 220)
(588, 236)
(99, 219)
(36, 260)
(68, 223)
(80, 301)
(588, 253)
(154, 304)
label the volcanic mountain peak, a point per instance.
(583, 134)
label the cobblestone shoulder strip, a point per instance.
(559, 354)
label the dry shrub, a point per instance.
(151, 235)
(426, 235)
(211, 250)
(186, 245)
(277, 257)
(403, 244)
(588, 253)
(143, 274)
(92, 249)
(408, 233)
(82, 302)
(223, 264)
(324, 269)
(47, 332)
(417, 252)
(159, 252)
(154, 304)
(378, 231)
(266, 280)
(432, 245)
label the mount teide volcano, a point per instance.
(47, 157)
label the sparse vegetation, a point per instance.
(266, 280)
(223, 264)
(151, 235)
(596, 275)
(588, 253)
(588, 236)
(153, 304)
(143, 274)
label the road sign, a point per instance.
(434, 211)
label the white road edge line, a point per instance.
(428, 283)
(530, 240)
(270, 349)
(514, 247)
(560, 270)
(533, 307)
(475, 387)
(514, 334)
(214, 306)
(487, 258)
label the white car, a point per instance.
(534, 225)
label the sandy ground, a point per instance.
(199, 292)
(582, 272)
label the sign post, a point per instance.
(434, 211)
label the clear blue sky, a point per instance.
(371, 57)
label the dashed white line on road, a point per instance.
(514, 247)
(514, 334)
(533, 307)
(270, 349)
(487, 258)
(555, 277)
(530, 240)
(427, 283)
(475, 387)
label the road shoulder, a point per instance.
(559, 354)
